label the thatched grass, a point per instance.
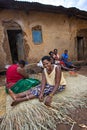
(34, 115)
(2, 101)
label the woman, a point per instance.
(56, 55)
(17, 79)
(52, 81)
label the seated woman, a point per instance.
(51, 53)
(52, 82)
(17, 78)
(56, 55)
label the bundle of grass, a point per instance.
(2, 101)
(34, 115)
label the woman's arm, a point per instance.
(43, 82)
(57, 80)
(42, 87)
(57, 83)
(22, 72)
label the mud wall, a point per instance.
(58, 31)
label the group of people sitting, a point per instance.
(22, 88)
(62, 60)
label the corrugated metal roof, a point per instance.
(29, 6)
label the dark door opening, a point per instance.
(80, 48)
(16, 44)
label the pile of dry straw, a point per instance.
(34, 115)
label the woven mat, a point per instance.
(34, 115)
(2, 101)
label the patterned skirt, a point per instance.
(48, 89)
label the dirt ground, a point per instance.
(83, 71)
(79, 115)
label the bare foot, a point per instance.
(14, 103)
(12, 94)
(73, 69)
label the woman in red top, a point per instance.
(17, 78)
(14, 73)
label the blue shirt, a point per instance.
(65, 57)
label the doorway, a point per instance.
(80, 48)
(15, 39)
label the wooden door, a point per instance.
(80, 48)
(20, 46)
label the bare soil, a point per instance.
(79, 115)
(83, 71)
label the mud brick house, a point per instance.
(30, 30)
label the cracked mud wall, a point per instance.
(11, 21)
(2, 53)
(58, 31)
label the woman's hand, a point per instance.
(48, 101)
(41, 97)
